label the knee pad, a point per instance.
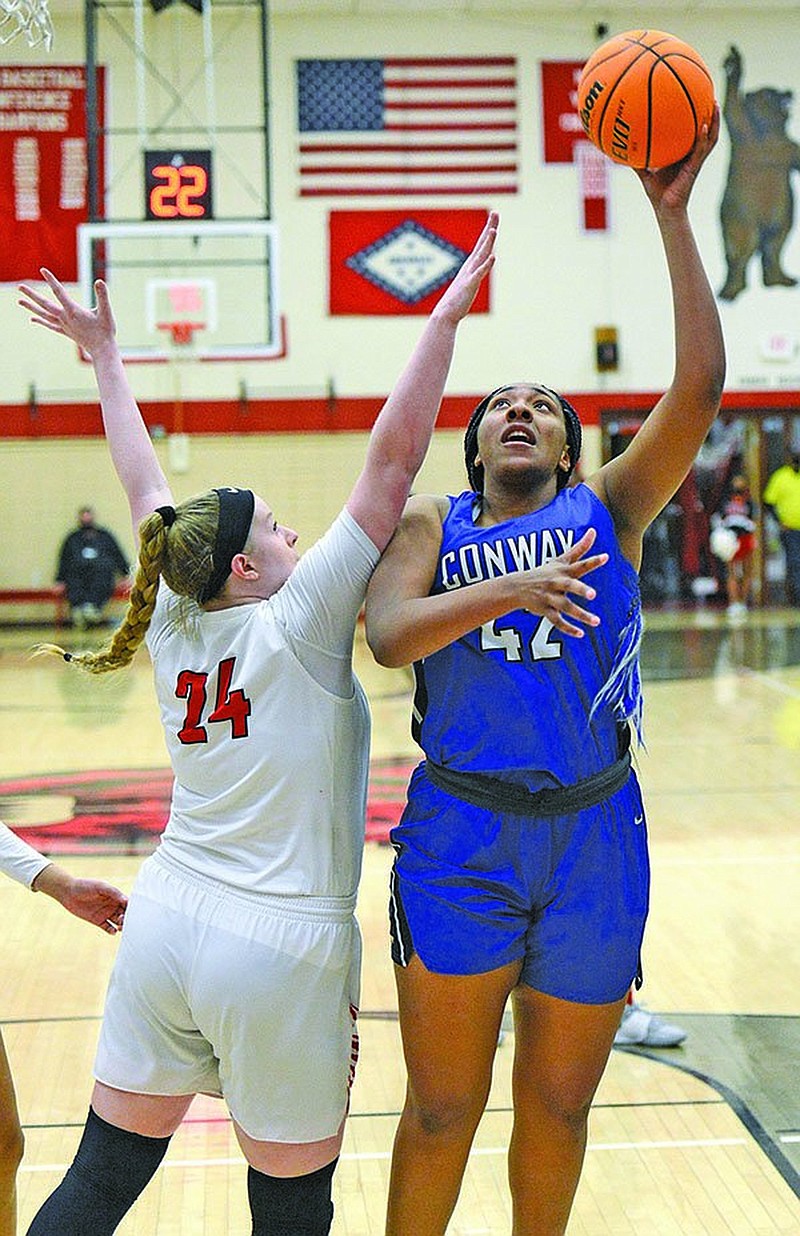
(291, 1205)
(109, 1171)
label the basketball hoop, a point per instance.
(181, 336)
(28, 17)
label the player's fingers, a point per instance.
(49, 323)
(584, 565)
(33, 302)
(56, 287)
(101, 294)
(580, 547)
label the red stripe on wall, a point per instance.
(340, 415)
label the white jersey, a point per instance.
(18, 859)
(268, 728)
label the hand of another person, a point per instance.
(456, 300)
(92, 900)
(88, 328)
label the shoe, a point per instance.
(737, 611)
(641, 1028)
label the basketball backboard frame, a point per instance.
(103, 234)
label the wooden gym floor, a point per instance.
(701, 1140)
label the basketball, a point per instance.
(643, 97)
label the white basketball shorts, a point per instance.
(223, 992)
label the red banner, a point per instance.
(43, 168)
(399, 261)
(561, 124)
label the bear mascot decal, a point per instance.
(757, 211)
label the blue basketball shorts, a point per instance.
(473, 890)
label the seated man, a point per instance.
(90, 562)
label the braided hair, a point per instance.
(176, 544)
(571, 422)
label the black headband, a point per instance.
(571, 422)
(167, 514)
(236, 507)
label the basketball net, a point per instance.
(28, 17)
(181, 338)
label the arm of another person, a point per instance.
(94, 331)
(93, 900)
(637, 485)
(405, 623)
(401, 435)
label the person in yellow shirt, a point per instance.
(782, 496)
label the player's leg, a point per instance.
(583, 951)
(289, 1185)
(11, 1147)
(458, 923)
(449, 1025)
(561, 1050)
(287, 1057)
(124, 1140)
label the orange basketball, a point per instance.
(643, 97)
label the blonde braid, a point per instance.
(141, 603)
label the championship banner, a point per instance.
(43, 168)
(561, 124)
(398, 261)
(594, 182)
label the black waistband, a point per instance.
(496, 795)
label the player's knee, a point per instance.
(291, 1205)
(12, 1147)
(568, 1099)
(441, 1112)
(109, 1171)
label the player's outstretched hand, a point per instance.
(88, 328)
(669, 188)
(548, 589)
(92, 900)
(456, 301)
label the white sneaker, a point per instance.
(639, 1027)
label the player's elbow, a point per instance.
(384, 643)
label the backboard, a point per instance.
(205, 291)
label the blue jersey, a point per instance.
(516, 698)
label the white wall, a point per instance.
(552, 284)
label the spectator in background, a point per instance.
(737, 513)
(90, 562)
(782, 496)
(639, 1027)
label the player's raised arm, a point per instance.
(402, 432)
(94, 331)
(639, 483)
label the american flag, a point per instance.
(443, 125)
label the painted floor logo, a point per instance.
(124, 811)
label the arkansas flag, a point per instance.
(399, 261)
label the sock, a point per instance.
(107, 1175)
(291, 1205)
